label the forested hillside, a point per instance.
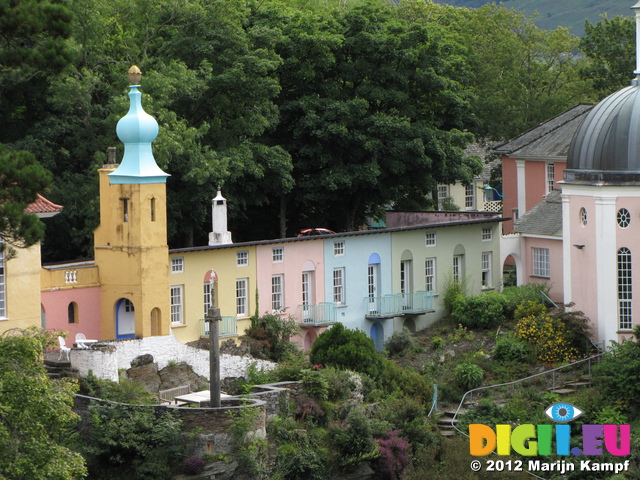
(307, 113)
(566, 13)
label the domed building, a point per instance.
(601, 214)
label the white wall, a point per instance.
(105, 364)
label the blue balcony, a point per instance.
(325, 313)
(399, 304)
(228, 327)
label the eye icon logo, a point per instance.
(563, 412)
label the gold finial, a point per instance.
(134, 75)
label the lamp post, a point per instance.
(487, 189)
(213, 318)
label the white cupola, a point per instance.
(220, 235)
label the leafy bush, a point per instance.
(399, 381)
(399, 342)
(511, 349)
(469, 375)
(409, 417)
(349, 349)
(529, 308)
(269, 337)
(481, 311)
(395, 455)
(131, 443)
(309, 411)
(193, 465)
(549, 337)
(437, 343)
(315, 385)
(125, 391)
(453, 292)
(291, 368)
(342, 384)
(514, 296)
(352, 439)
(613, 373)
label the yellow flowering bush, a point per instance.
(549, 337)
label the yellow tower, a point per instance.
(131, 242)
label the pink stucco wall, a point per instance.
(555, 281)
(55, 306)
(296, 254)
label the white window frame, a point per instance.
(457, 268)
(430, 239)
(242, 297)
(550, 172)
(469, 196)
(487, 234)
(443, 192)
(177, 311)
(242, 258)
(541, 262)
(430, 274)
(177, 264)
(625, 290)
(338, 248)
(209, 296)
(277, 254)
(486, 270)
(277, 293)
(338, 285)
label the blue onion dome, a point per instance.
(137, 130)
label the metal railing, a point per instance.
(228, 327)
(399, 304)
(320, 314)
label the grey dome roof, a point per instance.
(606, 146)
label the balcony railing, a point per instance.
(399, 304)
(320, 314)
(228, 327)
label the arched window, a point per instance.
(625, 318)
(72, 312)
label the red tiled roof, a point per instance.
(42, 205)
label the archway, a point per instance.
(309, 338)
(510, 272)
(410, 324)
(155, 318)
(377, 334)
(125, 319)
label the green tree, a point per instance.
(610, 47)
(35, 412)
(348, 349)
(131, 443)
(535, 75)
(21, 179)
(371, 112)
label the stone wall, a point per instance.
(107, 358)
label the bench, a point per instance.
(170, 394)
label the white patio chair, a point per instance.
(80, 338)
(63, 348)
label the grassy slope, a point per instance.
(566, 13)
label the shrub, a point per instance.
(269, 336)
(480, 311)
(315, 384)
(529, 308)
(343, 348)
(309, 411)
(125, 391)
(291, 368)
(437, 343)
(342, 384)
(405, 381)
(131, 443)
(352, 439)
(549, 337)
(514, 296)
(511, 349)
(469, 375)
(193, 465)
(453, 293)
(399, 342)
(409, 417)
(395, 454)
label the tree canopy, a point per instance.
(308, 114)
(35, 412)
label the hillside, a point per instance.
(552, 13)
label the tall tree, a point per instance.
(370, 111)
(35, 412)
(610, 47)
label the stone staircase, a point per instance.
(446, 421)
(56, 369)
